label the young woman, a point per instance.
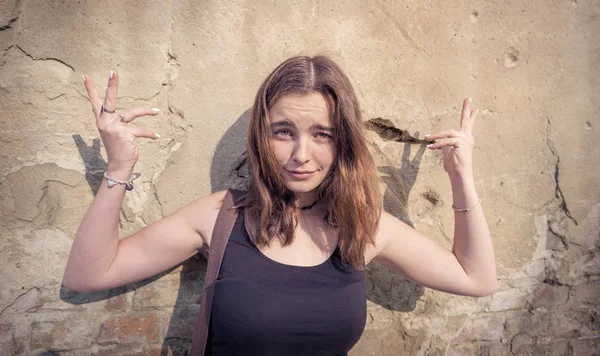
(291, 280)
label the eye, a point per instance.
(283, 133)
(324, 136)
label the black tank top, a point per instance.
(263, 307)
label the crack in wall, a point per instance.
(562, 237)
(17, 298)
(162, 213)
(142, 99)
(558, 191)
(45, 58)
(552, 279)
(510, 348)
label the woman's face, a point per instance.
(302, 138)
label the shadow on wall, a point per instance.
(229, 170)
(95, 165)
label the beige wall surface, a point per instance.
(530, 66)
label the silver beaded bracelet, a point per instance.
(464, 210)
(111, 182)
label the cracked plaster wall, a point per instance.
(531, 68)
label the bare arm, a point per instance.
(99, 260)
(96, 240)
(473, 246)
(470, 268)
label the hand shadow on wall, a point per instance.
(95, 165)
(384, 287)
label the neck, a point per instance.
(308, 207)
(306, 200)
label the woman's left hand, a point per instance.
(457, 146)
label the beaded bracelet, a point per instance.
(464, 210)
(111, 182)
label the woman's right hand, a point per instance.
(117, 136)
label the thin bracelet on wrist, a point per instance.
(464, 210)
(111, 182)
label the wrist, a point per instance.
(462, 177)
(119, 172)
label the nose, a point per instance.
(301, 152)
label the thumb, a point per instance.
(144, 132)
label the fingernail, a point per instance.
(110, 75)
(470, 99)
(427, 135)
(156, 109)
(83, 76)
(429, 145)
(157, 135)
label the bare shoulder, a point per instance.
(390, 228)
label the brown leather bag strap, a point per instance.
(223, 227)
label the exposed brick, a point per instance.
(587, 293)
(130, 330)
(514, 298)
(479, 348)
(550, 296)
(526, 345)
(64, 333)
(183, 321)
(160, 293)
(557, 323)
(481, 328)
(167, 292)
(128, 350)
(586, 347)
(117, 303)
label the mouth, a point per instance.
(301, 174)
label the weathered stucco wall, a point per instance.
(531, 68)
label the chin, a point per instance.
(301, 187)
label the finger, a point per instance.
(472, 120)
(464, 116)
(444, 142)
(443, 134)
(133, 113)
(110, 100)
(144, 132)
(92, 95)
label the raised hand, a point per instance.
(117, 136)
(457, 146)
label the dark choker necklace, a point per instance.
(308, 207)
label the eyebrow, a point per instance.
(286, 123)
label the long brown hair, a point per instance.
(349, 193)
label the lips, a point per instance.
(301, 174)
